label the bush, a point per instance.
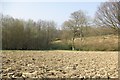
(60, 46)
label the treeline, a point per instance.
(18, 34)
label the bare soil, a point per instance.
(59, 64)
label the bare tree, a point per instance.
(1, 31)
(77, 21)
(108, 15)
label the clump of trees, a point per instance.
(20, 34)
(42, 35)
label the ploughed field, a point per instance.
(59, 64)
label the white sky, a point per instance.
(53, 0)
(56, 10)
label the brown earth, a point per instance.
(59, 64)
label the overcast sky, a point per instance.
(47, 10)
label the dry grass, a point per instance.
(98, 43)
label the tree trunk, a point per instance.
(73, 47)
